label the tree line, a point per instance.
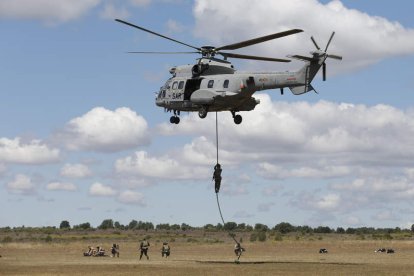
(282, 227)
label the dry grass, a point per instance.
(288, 257)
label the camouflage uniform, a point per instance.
(165, 250)
(144, 248)
(238, 250)
(217, 177)
(115, 250)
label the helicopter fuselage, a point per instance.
(214, 85)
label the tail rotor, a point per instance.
(320, 53)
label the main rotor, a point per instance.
(211, 51)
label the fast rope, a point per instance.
(217, 187)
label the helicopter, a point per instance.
(214, 85)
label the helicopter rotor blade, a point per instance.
(166, 53)
(233, 55)
(314, 43)
(329, 41)
(335, 57)
(154, 33)
(257, 40)
(324, 71)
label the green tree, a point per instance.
(230, 226)
(261, 236)
(85, 225)
(284, 227)
(323, 229)
(64, 224)
(175, 227)
(106, 224)
(185, 226)
(261, 227)
(340, 230)
(133, 224)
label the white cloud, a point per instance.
(321, 139)
(75, 171)
(163, 167)
(272, 171)
(60, 186)
(361, 38)
(21, 184)
(111, 12)
(104, 130)
(131, 197)
(34, 152)
(328, 202)
(49, 11)
(99, 189)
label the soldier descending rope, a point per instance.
(238, 250)
(217, 177)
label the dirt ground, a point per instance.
(269, 258)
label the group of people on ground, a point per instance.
(144, 247)
(99, 251)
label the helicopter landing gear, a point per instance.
(175, 119)
(237, 118)
(202, 113)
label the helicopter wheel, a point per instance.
(202, 113)
(174, 120)
(238, 119)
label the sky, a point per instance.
(82, 140)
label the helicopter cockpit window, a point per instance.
(226, 84)
(210, 84)
(175, 84)
(181, 85)
(163, 94)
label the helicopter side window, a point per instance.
(163, 94)
(175, 84)
(226, 84)
(210, 84)
(181, 85)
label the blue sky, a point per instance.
(82, 140)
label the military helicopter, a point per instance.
(213, 85)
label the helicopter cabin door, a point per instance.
(177, 90)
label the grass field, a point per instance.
(287, 257)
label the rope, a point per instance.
(222, 219)
(218, 202)
(217, 137)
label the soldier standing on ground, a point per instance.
(165, 250)
(115, 250)
(144, 245)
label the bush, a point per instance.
(261, 236)
(7, 239)
(278, 237)
(253, 237)
(48, 238)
